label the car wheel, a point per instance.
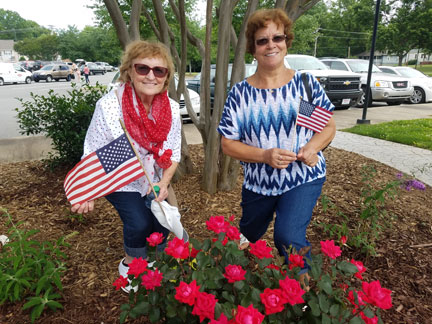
(1, 82)
(360, 102)
(418, 96)
(394, 103)
(68, 77)
(28, 80)
(49, 78)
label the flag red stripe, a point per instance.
(88, 161)
(84, 188)
(108, 187)
(90, 174)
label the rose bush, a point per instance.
(215, 282)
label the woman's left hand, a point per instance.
(308, 156)
(163, 191)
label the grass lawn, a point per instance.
(416, 132)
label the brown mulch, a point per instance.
(35, 196)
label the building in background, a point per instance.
(7, 53)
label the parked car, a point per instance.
(343, 88)
(421, 82)
(193, 95)
(14, 73)
(27, 65)
(195, 83)
(384, 87)
(53, 72)
(106, 66)
(94, 68)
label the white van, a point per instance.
(14, 73)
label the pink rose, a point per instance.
(217, 224)
(155, 239)
(295, 260)
(137, 266)
(121, 282)
(186, 293)
(330, 249)
(260, 249)
(361, 268)
(378, 296)
(178, 249)
(204, 306)
(248, 315)
(234, 273)
(292, 291)
(273, 300)
(151, 279)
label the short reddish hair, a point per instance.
(260, 19)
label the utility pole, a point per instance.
(371, 58)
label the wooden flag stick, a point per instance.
(142, 165)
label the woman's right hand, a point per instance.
(83, 208)
(279, 158)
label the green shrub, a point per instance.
(412, 62)
(31, 269)
(62, 118)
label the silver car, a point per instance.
(384, 87)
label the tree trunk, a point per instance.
(118, 21)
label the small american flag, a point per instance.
(103, 172)
(313, 117)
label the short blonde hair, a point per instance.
(260, 19)
(144, 49)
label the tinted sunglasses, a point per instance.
(275, 39)
(158, 71)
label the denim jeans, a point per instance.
(293, 214)
(138, 222)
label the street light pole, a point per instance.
(371, 58)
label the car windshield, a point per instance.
(305, 63)
(47, 68)
(362, 66)
(411, 73)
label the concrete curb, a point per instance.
(18, 149)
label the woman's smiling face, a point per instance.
(271, 54)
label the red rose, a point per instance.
(296, 260)
(152, 279)
(378, 296)
(121, 282)
(292, 291)
(187, 293)
(330, 249)
(248, 315)
(217, 224)
(178, 249)
(234, 273)
(194, 252)
(343, 240)
(222, 320)
(155, 239)
(368, 320)
(204, 306)
(361, 268)
(137, 266)
(361, 298)
(233, 233)
(273, 300)
(260, 249)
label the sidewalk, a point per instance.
(408, 159)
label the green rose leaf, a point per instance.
(326, 284)
(356, 320)
(347, 267)
(154, 315)
(314, 308)
(323, 302)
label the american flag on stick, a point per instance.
(313, 117)
(103, 172)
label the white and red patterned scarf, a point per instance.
(150, 134)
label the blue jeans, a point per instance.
(293, 214)
(138, 222)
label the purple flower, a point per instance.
(414, 184)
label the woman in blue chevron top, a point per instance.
(284, 168)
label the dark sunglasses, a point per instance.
(275, 39)
(158, 71)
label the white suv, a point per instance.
(384, 87)
(341, 87)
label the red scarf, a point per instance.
(148, 133)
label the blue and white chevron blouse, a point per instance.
(265, 118)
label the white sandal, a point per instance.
(244, 242)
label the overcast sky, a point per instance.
(58, 13)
